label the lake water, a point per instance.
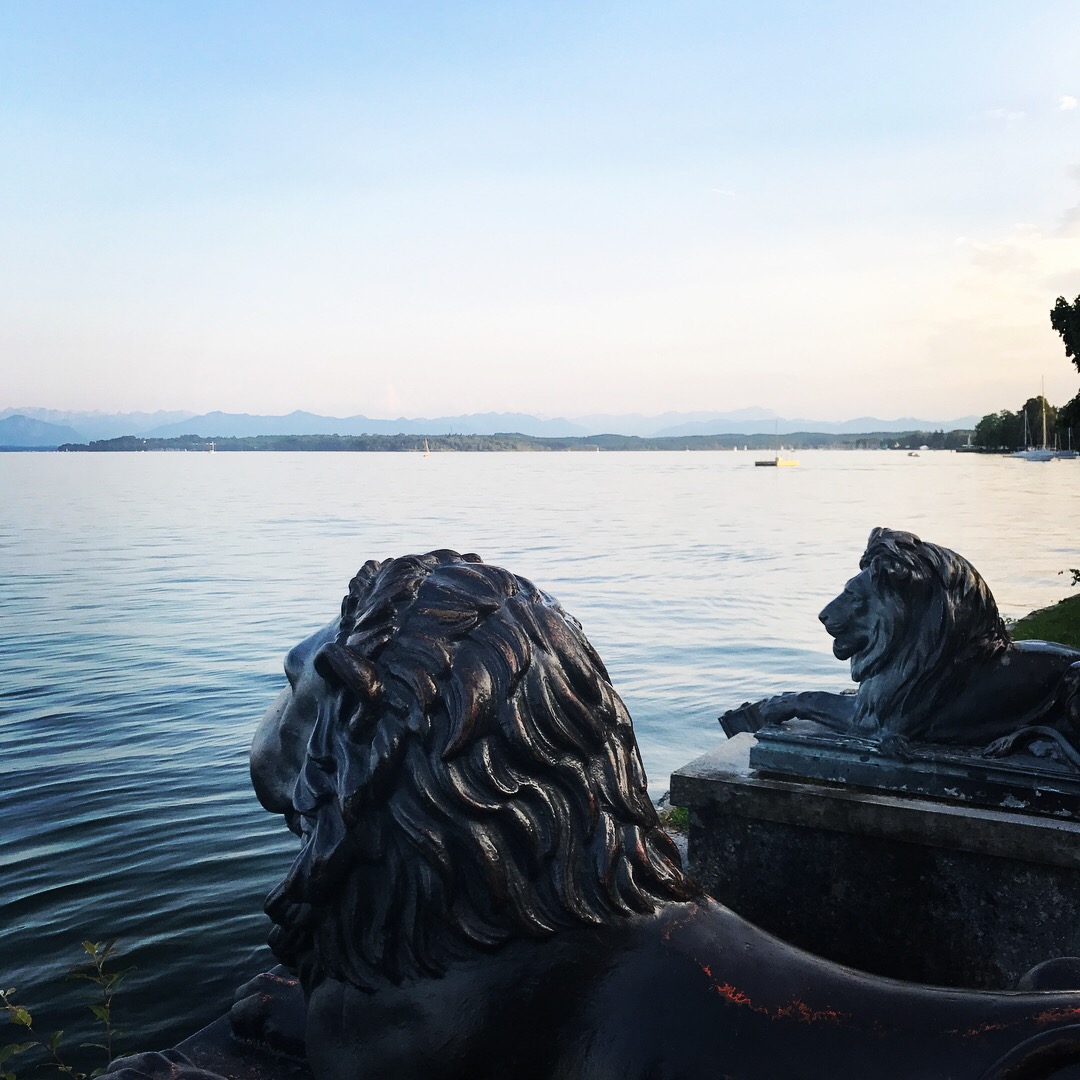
(147, 601)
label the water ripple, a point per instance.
(147, 600)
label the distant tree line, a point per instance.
(1006, 430)
(509, 441)
(958, 439)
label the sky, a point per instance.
(829, 210)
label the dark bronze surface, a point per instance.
(934, 664)
(963, 775)
(483, 889)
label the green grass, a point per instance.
(1058, 623)
(675, 819)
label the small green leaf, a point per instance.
(100, 1011)
(89, 948)
(8, 1076)
(20, 1016)
(54, 1042)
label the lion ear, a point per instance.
(336, 663)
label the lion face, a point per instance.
(914, 612)
(863, 622)
(280, 745)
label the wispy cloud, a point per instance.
(1007, 116)
(724, 191)
(1067, 102)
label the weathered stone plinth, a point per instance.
(1022, 782)
(217, 1050)
(910, 887)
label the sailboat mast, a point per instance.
(1042, 395)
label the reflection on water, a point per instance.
(147, 600)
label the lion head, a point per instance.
(461, 773)
(913, 614)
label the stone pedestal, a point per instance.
(217, 1050)
(909, 887)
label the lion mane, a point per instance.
(935, 616)
(472, 777)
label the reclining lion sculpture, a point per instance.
(933, 662)
(483, 890)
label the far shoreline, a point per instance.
(911, 441)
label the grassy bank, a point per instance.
(1061, 622)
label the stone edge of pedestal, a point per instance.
(1021, 782)
(723, 780)
(217, 1050)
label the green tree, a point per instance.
(1000, 430)
(1033, 409)
(1069, 414)
(1065, 319)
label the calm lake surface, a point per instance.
(147, 601)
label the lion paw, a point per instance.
(754, 715)
(747, 717)
(896, 747)
(270, 1010)
(1002, 747)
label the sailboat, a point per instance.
(1068, 454)
(1041, 452)
(777, 459)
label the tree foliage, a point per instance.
(1069, 414)
(1065, 319)
(1005, 430)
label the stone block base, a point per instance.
(911, 888)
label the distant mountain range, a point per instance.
(43, 428)
(26, 432)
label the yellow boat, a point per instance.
(778, 460)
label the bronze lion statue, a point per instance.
(483, 889)
(933, 661)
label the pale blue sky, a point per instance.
(827, 209)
